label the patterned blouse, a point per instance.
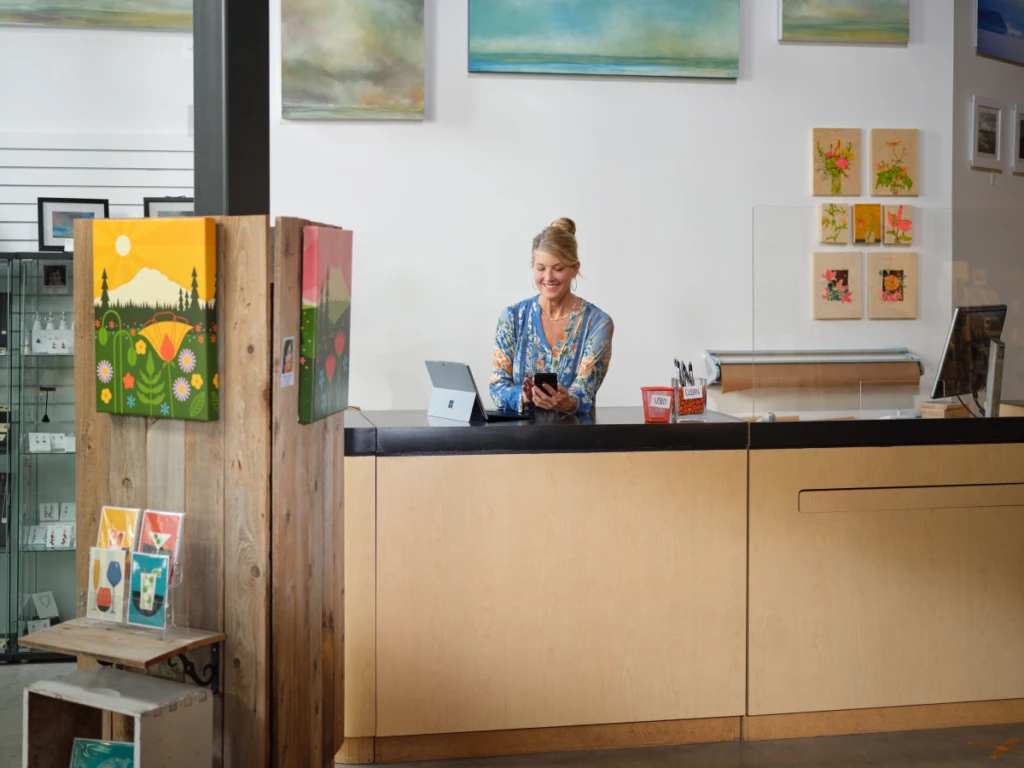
(580, 358)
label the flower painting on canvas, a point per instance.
(167, 15)
(837, 286)
(845, 21)
(836, 161)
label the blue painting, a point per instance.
(1001, 29)
(845, 21)
(89, 753)
(654, 38)
(148, 604)
(64, 222)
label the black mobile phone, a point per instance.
(549, 379)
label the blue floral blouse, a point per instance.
(580, 358)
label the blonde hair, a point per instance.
(559, 239)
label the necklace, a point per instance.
(564, 317)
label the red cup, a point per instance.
(657, 404)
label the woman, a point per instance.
(553, 332)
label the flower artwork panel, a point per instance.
(161, 535)
(892, 286)
(106, 584)
(837, 286)
(835, 154)
(147, 606)
(154, 290)
(898, 224)
(867, 223)
(894, 162)
(326, 322)
(833, 223)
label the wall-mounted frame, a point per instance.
(1017, 134)
(56, 216)
(55, 278)
(987, 133)
(168, 207)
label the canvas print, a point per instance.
(833, 223)
(147, 606)
(155, 291)
(892, 285)
(867, 223)
(167, 15)
(1017, 156)
(106, 584)
(987, 133)
(117, 528)
(326, 322)
(352, 59)
(898, 224)
(845, 21)
(835, 156)
(894, 162)
(837, 286)
(1001, 30)
(655, 38)
(90, 753)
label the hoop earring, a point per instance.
(574, 285)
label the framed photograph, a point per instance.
(57, 219)
(168, 207)
(55, 279)
(1017, 153)
(987, 133)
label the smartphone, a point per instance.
(549, 379)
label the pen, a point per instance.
(690, 375)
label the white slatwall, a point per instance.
(123, 169)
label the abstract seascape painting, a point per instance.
(654, 38)
(352, 59)
(1001, 30)
(166, 15)
(845, 21)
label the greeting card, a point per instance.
(106, 584)
(117, 528)
(161, 535)
(148, 604)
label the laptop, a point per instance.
(456, 397)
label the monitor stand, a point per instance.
(994, 381)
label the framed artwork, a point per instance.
(147, 606)
(161, 535)
(154, 297)
(106, 584)
(987, 133)
(1017, 155)
(56, 216)
(898, 224)
(164, 15)
(168, 207)
(55, 279)
(696, 38)
(867, 223)
(326, 322)
(894, 162)
(117, 528)
(835, 158)
(999, 25)
(90, 753)
(892, 285)
(352, 60)
(845, 21)
(833, 223)
(837, 286)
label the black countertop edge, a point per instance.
(360, 435)
(885, 433)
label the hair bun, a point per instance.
(567, 224)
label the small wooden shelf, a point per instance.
(130, 647)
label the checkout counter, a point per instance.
(600, 582)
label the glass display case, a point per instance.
(37, 447)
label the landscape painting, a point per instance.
(352, 59)
(326, 322)
(154, 289)
(166, 15)
(655, 38)
(1001, 30)
(845, 21)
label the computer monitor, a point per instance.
(965, 358)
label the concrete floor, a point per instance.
(13, 679)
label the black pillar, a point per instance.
(232, 107)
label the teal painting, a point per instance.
(653, 38)
(166, 15)
(845, 21)
(1001, 30)
(88, 753)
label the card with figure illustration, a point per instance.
(161, 535)
(117, 529)
(833, 224)
(835, 158)
(898, 224)
(106, 584)
(147, 604)
(867, 223)
(892, 285)
(894, 162)
(837, 286)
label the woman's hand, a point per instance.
(550, 400)
(528, 390)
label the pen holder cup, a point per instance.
(692, 400)
(657, 404)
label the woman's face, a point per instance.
(552, 278)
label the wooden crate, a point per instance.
(260, 494)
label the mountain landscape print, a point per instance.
(1001, 30)
(154, 294)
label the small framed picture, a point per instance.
(57, 219)
(168, 207)
(1017, 155)
(55, 279)
(288, 362)
(987, 134)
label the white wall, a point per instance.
(661, 177)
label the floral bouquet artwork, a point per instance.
(894, 157)
(154, 288)
(893, 295)
(899, 225)
(835, 224)
(837, 286)
(893, 281)
(836, 170)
